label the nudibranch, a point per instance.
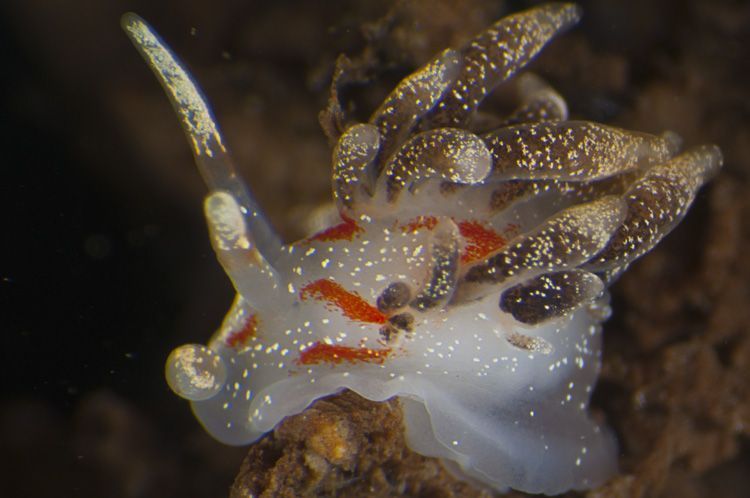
(468, 273)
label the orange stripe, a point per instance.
(351, 304)
(346, 230)
(248, 331)
(326, 353)
(480, 241)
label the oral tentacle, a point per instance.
(210, 153)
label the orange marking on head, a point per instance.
(332, 354)
(248, 331)
(428, 222)
(480, 241)
(346, 230)
(350, 303)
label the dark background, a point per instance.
(106, 265)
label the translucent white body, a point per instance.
(507, 416)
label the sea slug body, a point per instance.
(468, 274)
